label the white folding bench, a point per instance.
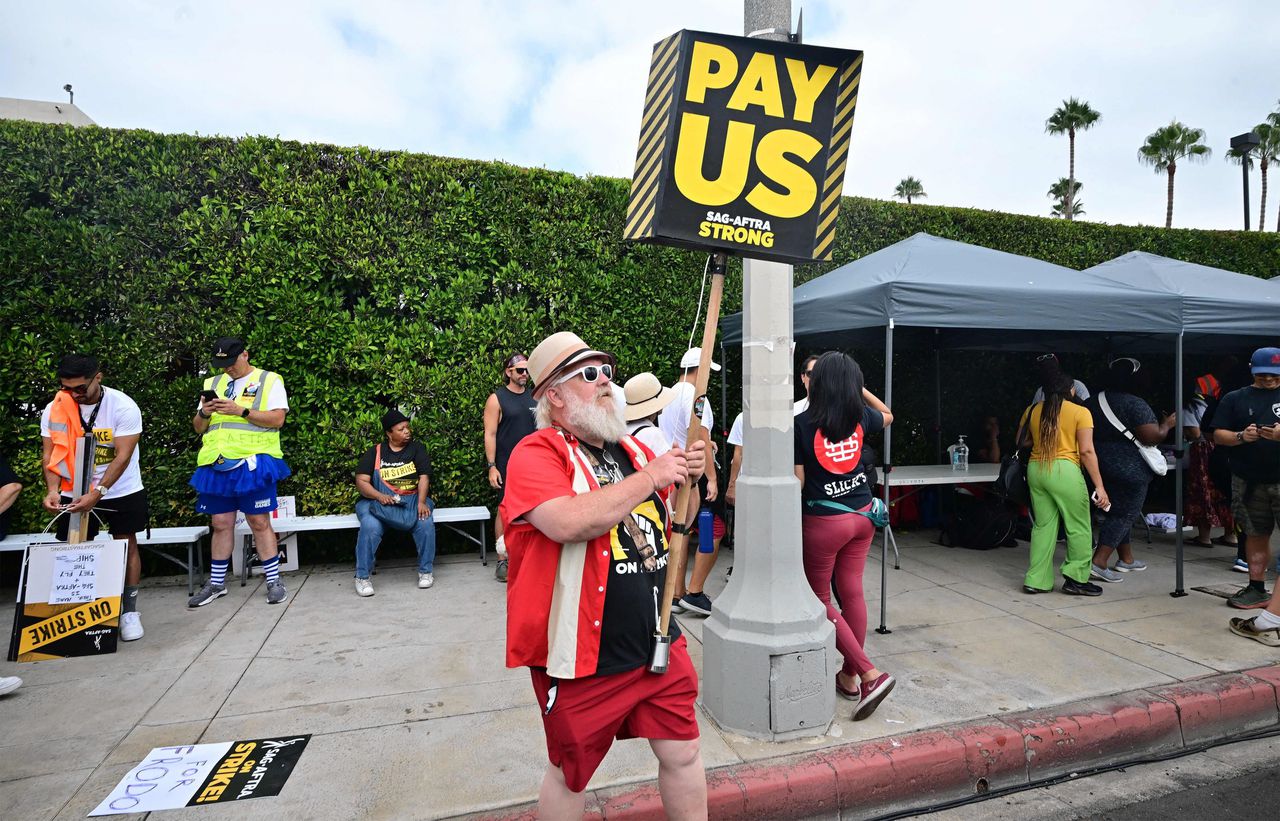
(453, 518)
(153, 541)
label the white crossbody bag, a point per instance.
(1150, 453)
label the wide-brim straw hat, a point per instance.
(558, 353)
(646, 396)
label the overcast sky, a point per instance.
(954, 93)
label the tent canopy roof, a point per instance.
(977, 297)
(1214, 301)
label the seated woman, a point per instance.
(391, 477)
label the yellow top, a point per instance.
(1071, 418)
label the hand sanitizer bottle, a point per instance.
(959, 453)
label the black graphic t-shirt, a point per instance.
(833, 470)
(400, 468)
(1252, 461)
(637, 571)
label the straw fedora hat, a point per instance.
(558, 353)
(646, 396)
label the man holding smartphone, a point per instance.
(240, 415)
(1248, 422)
(115, 494)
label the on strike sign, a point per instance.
(743, 146)
(198, 774)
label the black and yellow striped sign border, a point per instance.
(659, 102)
(837, 159)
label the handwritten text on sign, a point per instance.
(75, 577)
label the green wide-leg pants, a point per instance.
(1058, 493)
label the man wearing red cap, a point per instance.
(587, 516)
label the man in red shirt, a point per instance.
(587, 521)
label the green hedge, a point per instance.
(366, 278)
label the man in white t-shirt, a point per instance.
(806, 370)
(674, 422)
(645, 397)
(115, 495)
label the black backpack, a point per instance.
(978, 524)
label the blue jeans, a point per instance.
(375, 518)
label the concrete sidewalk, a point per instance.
(415, 716)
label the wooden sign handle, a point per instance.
(679, 527)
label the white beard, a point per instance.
(592, 420)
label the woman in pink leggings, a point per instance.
(830, 437)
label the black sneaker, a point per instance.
(696, 603)
(1074, 588)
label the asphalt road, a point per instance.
(1237, 782)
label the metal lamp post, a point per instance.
(1245, 143)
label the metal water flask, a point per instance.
(706, 531)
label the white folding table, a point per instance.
(919, 476)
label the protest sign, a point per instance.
(743, 146)
(199, 774)
(68, 600)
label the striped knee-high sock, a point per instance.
(271, 569)
(218, 571)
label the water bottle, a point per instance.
(959, 455)
(706, 531)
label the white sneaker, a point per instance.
(425, 580)
(364, 587)
(8, 684)
(130, 627)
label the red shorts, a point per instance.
(585, 715)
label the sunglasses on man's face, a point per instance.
(589, 373)
(77, 390)
(809, 372)
(521, 371)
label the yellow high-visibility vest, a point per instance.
(234, 437)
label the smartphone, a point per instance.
(1093, 497)
(208, 395)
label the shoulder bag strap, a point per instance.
(1115, 423)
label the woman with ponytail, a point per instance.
(1061, 438)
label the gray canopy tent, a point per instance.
(929, 292)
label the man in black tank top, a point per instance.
(508, 418)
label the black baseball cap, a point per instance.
(226, 350)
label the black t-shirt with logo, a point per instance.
(637, 571)
(400, 468)
(833, 470)
(1252, 461)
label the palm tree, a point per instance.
(909, 189)
(1072, 116)
(1168, 144)
(1273, 125)
(1062, 206)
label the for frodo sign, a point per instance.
(743, 146)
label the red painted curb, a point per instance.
(952, 762)
(1221, 706)
(1060, 740)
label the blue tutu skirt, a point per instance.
(240, 481)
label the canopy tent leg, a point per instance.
(883, 629)
(1178, 450)
(937, 398)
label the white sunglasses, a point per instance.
(1137, 366)
(589, 373)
